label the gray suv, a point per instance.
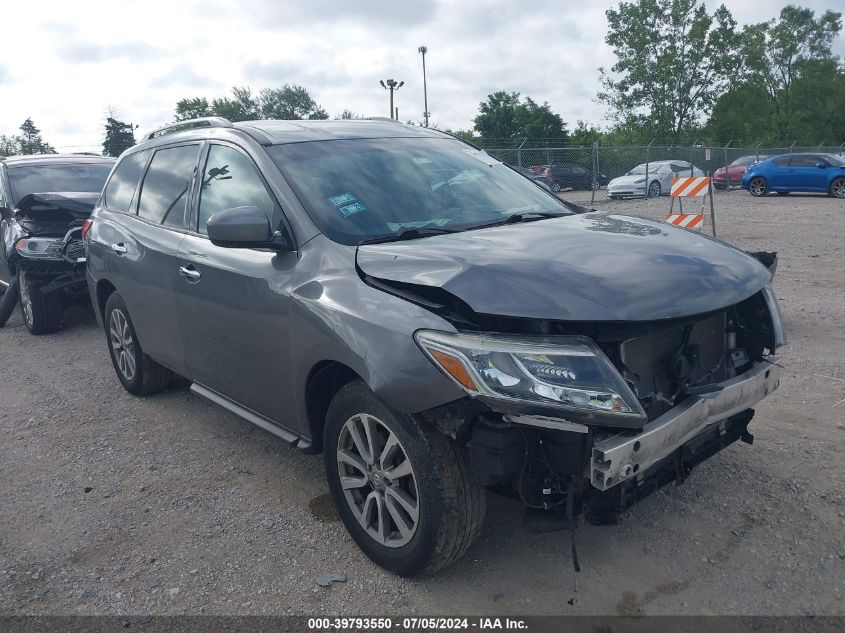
(432, 321)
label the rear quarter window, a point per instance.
(120, 188)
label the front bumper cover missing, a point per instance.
(620, 457)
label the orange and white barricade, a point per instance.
(691, 187)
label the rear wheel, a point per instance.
(403, 491)
(758, 186)
(837, 188)
(139, 374)
(42, 312)
(555, 186)
(654, 189)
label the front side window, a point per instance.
(805, 161)
(123, 182)
(164, 192)
(79, 177)
(361, 189)
(231, 180)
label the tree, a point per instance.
(585, 133)
(193, 108)
(347, 114)
(10, 145)
(31, 141)
(503, 120)
(289, 102)
(241, 107)
(673, 59)
(774, 53)
(119, 136)
(743, 115)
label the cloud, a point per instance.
(5, 75)
(83, 52)
(274, 14)
(184, 77)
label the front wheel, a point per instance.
(555, 186)
(758, 186)
(654, 189)
(403, 491)
(837, 188)
(42, 312)
(139, 374)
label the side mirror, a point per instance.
(244, 227)
(821, 165)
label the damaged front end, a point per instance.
(589, 417)
(44, 242)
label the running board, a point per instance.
(288, 436)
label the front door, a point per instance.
(234, 303)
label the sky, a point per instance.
(66, 64)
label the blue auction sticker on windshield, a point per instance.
(347, 204)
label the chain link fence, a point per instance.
(582, 174)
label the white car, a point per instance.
(660, 175)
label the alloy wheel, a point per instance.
(123, 347)
(757, 186)
(378, 480)
(837, 188)
(25, 293)
(654, 189)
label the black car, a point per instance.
(44, 203)
(573, 176)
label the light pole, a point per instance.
(424, 50)
(391, 85)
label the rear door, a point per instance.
(234, 303)
(138, 242)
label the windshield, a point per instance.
(640, 170)
(364, 189)
(27, 179)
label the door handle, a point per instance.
(190, 273)
(119, 248)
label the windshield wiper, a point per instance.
(526, 216)
(409, 234)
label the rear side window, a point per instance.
(781, 161)
(164, 192)
(231, 180)
(121, 186)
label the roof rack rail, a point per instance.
(180, 126)
(382, 118)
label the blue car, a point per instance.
(797, 172)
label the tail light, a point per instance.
(86, 228)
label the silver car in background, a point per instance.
(658, 174)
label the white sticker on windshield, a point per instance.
(484, 157)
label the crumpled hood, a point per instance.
(627, 180)
(591, 267)
(57, 206)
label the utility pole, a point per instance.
(391, 85)
(424, 50)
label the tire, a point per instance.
(555, 186)
(758, 186)
(139, 374)
(42, 313)
(720, 187)
(449, 506)
(8, 301)
(654, 189)
(837, 188)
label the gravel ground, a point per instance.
(168, 504)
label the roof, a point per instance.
(34, 159)
(325, 130)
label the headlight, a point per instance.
(778, 324)
(562, 372)
(39, 247)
